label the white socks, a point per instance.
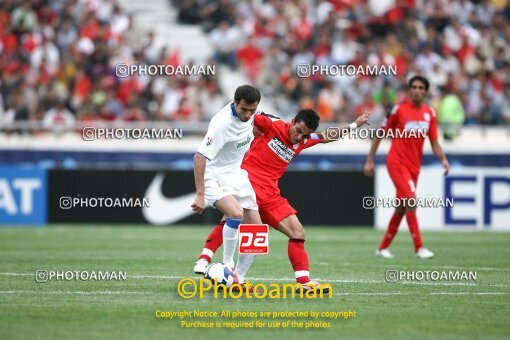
(243, 264)
(230, 240)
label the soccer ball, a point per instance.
(221, 273)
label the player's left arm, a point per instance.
(262, 122)
(434, 143)
(438, 151)
(328, 137)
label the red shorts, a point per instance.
(273, 208)
(404, 180)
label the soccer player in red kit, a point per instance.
(265, 162)
(404, 160)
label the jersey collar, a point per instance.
(233, 108)
(410, 102)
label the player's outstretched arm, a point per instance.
(199, 170)
(361, 120)
(438, 151)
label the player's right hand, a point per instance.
(198, 204)
(363, 119)
(446, 167)
(369, 169)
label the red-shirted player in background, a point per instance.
(265, 162)
(404, 161)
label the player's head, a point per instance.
(305, 122)
(418, 88)
(246, 100)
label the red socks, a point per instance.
(213, 242)
(412, 221)
(392, 230)
(297, 253)
(299, 260)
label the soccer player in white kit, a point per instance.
(219, 180)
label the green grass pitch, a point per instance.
(156, 258)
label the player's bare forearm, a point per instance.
(199, 171)
(369, 168)
(373, 149)
(198, 204)
(438, 151)
(328, 136)
(336, 134)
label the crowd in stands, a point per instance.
(460, 45)
(57, 67)
(57, 58)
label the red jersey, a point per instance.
(270, 154)
(408, 152)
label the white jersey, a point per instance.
(226, 142)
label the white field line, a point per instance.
(414, 293)
(478, 268)
(109, 292)
(387, 264)
(275, 279)
(97, 292)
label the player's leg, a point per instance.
(392, 230)
(234, 217)
(213, 242)
(245, 195)
(280, 214)
(219, 194)
(414, 230)
(412, 221)
(244, 261)
(399, 177)
(293, 229)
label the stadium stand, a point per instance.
(57, 61)
(460, 45)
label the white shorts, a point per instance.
(235, 184)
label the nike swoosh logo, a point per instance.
(166, 210)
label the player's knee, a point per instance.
(302, 234)
(298, 233)
(236, 213)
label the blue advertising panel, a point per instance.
(23, 196)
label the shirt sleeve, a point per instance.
(213, 140)
(391, 120)
(433, 127)
(263, 122)
(313, 140)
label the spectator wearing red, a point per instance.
(250, 57)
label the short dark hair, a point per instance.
(424, 80)
(309, 117)
(249, 93)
